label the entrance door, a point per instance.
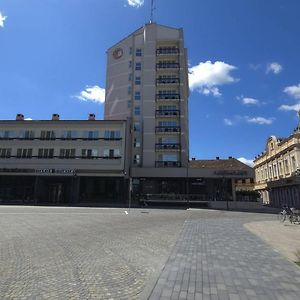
(56, 195)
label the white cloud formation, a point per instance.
(92, 93)
(228, 122)
(246, 119)
(274, 68)
(136, 3)
(207, 76)
(295, 107)
(2, 19)
(246, 161)
(293, 91)
(28, 119)
(260, 120)
(248, 101)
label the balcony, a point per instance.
(168, 97)
(167, 164)
(164, 81)
(167, 113)
(167, 65)
(167, 129)
(167, 51)
(167, 146)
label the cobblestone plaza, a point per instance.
(83, 253)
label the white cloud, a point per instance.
(136, 3)
(260, 120)
(207, 76)
(2, 19)
(246, 161)
(28, 119)
(293, 90)
(92, 93)
(228, 122)
(274, 68)
(295, 107)
(248, 101)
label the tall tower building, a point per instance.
(147, 82)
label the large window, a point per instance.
(24, 153)
(137, 95)
(112, 134)
(137, 126)
(137, 111)
(27, 134)
(138, 66)
(47, 135)
(45, 153)
(137, 159)
(89, 153)
(91, 135)
(67, 153)
(111, 153)
(69, 134)
(6, 134)
(5, 152)
(138, 52)
(137, 80)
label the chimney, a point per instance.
(20, 117)
(193, 158)
(55, 117)
(92, 117)
(229, 157)
(217, 158)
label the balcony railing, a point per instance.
(167, 51)
(167, 128)
(167, 81)
(167, 96)
(163, 146)
(167, 164)
(168, 113)
(167, 66)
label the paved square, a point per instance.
(82, 253)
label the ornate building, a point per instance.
(277, 171)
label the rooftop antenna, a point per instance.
(152, 11)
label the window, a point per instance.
(6, 134)
(67, 153)
(138, 66)
(286, 166)
(130, 77)
(112, 134)
(69, 134)
(137, 126)
(138, 52)
(5, 152)
(24, 153)
(137, 159)
(111, 153)
(47, 135)
(293, 163)
(91, 135)
(129, 104)
(137, 142)
(137, 111)
(169, 157)
(129, 90)
(137, 80)
(137, 96)
(45, 153)
(27, 134)
(130, 51)
(130, 64)
(89, 153)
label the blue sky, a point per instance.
(243, 55)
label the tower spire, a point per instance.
(152, 11)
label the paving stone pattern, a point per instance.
(218, 259)
(68, 253)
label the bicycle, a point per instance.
(292, 214)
